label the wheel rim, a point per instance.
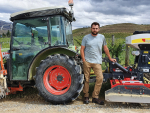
(57, 80)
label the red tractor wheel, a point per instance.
(59, 79)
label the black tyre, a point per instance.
(59, 79)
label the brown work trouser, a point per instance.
(99, 78)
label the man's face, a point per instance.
(95, 29)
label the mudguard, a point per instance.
(43, 54)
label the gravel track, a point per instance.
(28, 101)
(39, 105)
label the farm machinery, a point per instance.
(132, 83)
(42, 55)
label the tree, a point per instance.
(3, 35)
(8, 34)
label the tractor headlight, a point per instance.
(136, 53)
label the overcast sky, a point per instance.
(105, 12)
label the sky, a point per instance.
(105, 12)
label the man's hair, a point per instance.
(95, 23)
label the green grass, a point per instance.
(5, 49)
(117, 35)
(5, 42)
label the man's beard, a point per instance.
(94, 33)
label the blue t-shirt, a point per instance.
(93, 48)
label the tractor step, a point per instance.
(128, 93)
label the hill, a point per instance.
(120, 31)
(114, 28)
(6, 26)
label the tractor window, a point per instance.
(57, 31)
(29, 37)
(69, 33)
(30, 32)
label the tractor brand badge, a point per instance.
(144, 40)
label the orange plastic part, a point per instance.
(2, 64)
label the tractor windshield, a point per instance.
(61, 32)
(30, 36)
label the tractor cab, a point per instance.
(35, 30)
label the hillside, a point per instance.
(114, 28)
(6, 27)
(120, 31)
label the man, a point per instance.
(91, 53)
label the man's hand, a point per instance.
(82, 53)
(107, 53)
(113, 60)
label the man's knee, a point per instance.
(99, 80)
(87, 79)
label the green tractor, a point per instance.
(43, 55)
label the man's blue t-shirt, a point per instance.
(93, 48)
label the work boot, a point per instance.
(86, 100)
(97, 101)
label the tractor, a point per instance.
(42, 55)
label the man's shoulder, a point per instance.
(101, 35)
(88, 35)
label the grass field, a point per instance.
(5, 42)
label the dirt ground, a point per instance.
(39, 105)
(28, 101)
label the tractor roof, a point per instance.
(40, 12)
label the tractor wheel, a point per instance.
(59, 79)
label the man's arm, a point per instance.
(82, 53)
(107, 53)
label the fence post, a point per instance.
(127, 55)
(113, 41)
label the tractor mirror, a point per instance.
(136, 53)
